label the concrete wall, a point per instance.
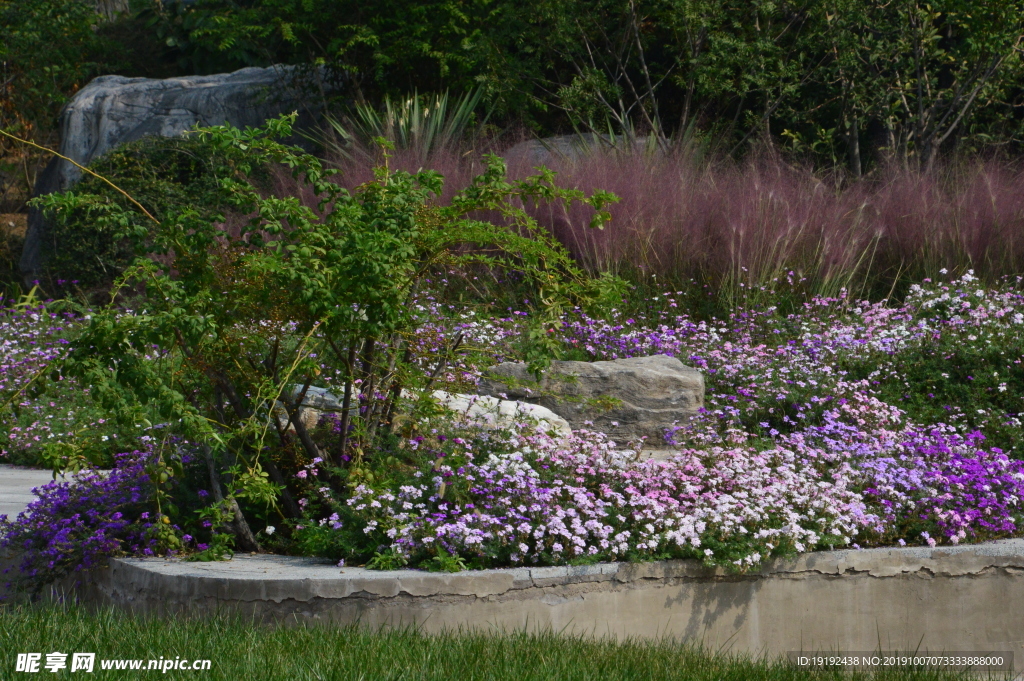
(967, 598)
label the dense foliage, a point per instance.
(89, 247)
(854, 83)
(47, 50)
(847, 81)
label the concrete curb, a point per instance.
(965, 598)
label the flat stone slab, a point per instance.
(954, 598)
(16, 485)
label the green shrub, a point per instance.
(233, 318)
(162, 174)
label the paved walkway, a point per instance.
(16, 487)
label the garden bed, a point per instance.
(827, 422)
(860, 425)
(913, 598)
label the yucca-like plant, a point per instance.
(419, 123)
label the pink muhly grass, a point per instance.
(742, 224)
(726, 223)
(961, 216)
(746, 223)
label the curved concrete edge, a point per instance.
(966, 559)
(966, 598)
(275, 578)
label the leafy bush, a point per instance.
(162, 174)
(241, 321)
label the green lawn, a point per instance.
(243, 651)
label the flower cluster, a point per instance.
(799, 446)
(75, 524)
(33, 342)
(548, 500)
(30, 340)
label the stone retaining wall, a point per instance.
(954, 598)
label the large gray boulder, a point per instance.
(570, 149)
(114, 110)
(625, 398)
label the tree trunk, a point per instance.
(293, 408)
(237, 525)
(346, 404)
(853, 142)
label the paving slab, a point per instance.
(16, 485)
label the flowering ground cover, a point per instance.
(820, 430)
(34, 337)
(842, 423)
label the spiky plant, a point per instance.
(419, 123)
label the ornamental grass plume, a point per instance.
(739, 224)
(682, 217)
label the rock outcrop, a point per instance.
(492, 412)
(114, 110)
(316, 402)
(625, 398)
(478, 410)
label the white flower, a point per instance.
(270, 529)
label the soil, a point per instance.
(14, 224)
